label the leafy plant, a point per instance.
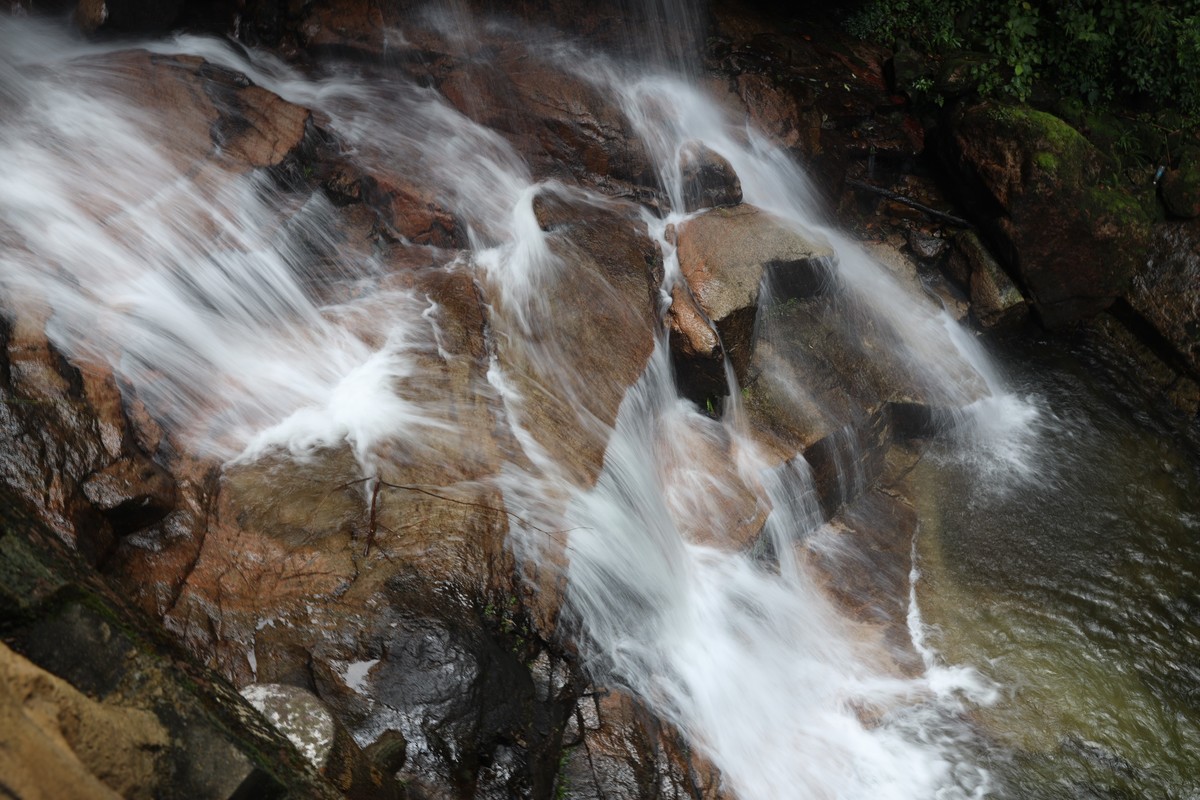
(1144, 53)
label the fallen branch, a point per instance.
(949, 219)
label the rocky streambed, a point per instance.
(326, 363)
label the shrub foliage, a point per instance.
(1141, 52)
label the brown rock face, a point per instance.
(565, 126)
(600, 302)
(726, 254)
(213, 114)
(1073, 242)
(773, 109)
(624, 751)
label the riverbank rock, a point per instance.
(1167, 293)
(1071, 240)
(995, 300)
(727, 254)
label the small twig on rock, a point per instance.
(950, 219)
(373, 521)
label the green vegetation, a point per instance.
(1142, 53)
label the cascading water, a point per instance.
(246, 326)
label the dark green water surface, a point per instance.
(1069, 574)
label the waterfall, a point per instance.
(247, 325)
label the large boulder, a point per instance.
(593, 333)
(1070, 238)
(213, 114)
(726, 254)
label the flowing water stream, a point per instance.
(233, 314)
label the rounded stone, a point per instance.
(297, 714)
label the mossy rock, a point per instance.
(1053, 207)
(1058, 150)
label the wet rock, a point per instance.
(924, 244)
(713, 499)
(1073, 241)
(324, 742)
(864, 559)
(1156, 369)
(1165, 292)
(298, 715)
(708, 179)
(995, 300)
(696, 349)
(59, 426)
(214, 114)
(776, 112)
(410, 211)
(563, 124)
(131, 493)
(616, 748)
(839, 394)
(599, 295)
(1180, 188)
(347, 25)
(726, 254)
(111, 702)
